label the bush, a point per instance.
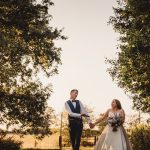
(9, 144)
(140, 137)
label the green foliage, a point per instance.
(140, 137)
(9, 144)
(131, 69)
(27, 48)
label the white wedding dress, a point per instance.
(110, 140)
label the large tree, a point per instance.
(27, 47)
(131, 68)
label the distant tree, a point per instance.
(131, 68)
(65, 130)
(27, 48)
(133, 120)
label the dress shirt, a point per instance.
(76, 115)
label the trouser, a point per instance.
(75, 130)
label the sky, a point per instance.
(90, 41)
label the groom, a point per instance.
(76, 111)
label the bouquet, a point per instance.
(115, 122)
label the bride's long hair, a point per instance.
(118, 103)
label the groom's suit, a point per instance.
(75, 108)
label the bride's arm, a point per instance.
(102, 118)
(123, 116)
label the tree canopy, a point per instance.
(131, 68)
(27, 47)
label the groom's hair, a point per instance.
(73, 90)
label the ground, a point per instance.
(82, 148)
(48, 143)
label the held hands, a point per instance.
(92, 125)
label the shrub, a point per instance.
(140, 137)
(9, 144)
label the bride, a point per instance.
(114, 136)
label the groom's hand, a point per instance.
(84, 115)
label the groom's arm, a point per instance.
(83, 111)
(71, 114)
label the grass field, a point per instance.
(82, 148)
(29, 141)
(47, 143)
